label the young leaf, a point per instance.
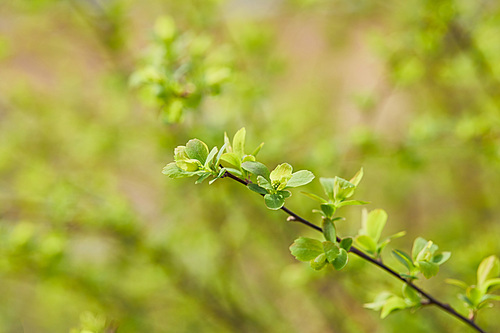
(332, 250)
(274, 201)
(367, 243)
(197, 150)
(239, 143)
(342, 189)
(491, 284)
(314, 197)
(173, 171)
(428, 269)
(232, 158)
(404, 258)
(257, 188)
(319, 262)
(352, 203)
(256, 168)
(202, 177)
(374, 223)
(328, 184)
(328, 209)
(329, 230)
(306, 249)
(341, 260)
(392, 304)
(281, 172)
(210, 157)
(457, 283)
(488, 268)
(300, 178)
(346, 243)
(357, 177)
(263, 182)
(411, 294)
(441, 258)
(418, 245)
(257, 150)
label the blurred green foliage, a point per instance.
(93, 237)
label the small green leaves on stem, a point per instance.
(372, 224)
(479, 296)
(424, 259)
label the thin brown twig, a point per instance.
(429, 299)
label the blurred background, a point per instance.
(92, 235)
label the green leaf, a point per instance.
(357, 177)
(411, 294)
(232, 158)
(346, 243)
(190, 165)
(367, 243)
(248, 158)
(257, 150)
(352, 203)
(418, 245)
(274, 201)
(210, 157)
(285, 193)
(328, 184)
(197, 150)
(219, 154)
(329, 230)
(379, 301)
(173, 171)
(491, 284)
(374, 223)
(341, 260)
(239, 143)
(488, 268)
(342, 189)
(257, 188)
(404, 258)
(332, 250)
(319, 262)
(256, 168)
(328, 209)
(221, 172)
(282, 172)
(441, 258)
(314, 197)
(392, 304)
(428, 269)
(300, 178)
(306, 249)
(202, 177)
(474, 295)
(457, 283)
(263, 182)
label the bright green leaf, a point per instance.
(488, 268)
(173, 171)
(346, 243)
(328, 184)
(403, 258)
(457, 283)
(328, 209)
(357, 177)
(341, 260)
(257, 150)
(197, 150)
(329, 230)
(374, 223)
(319, 262)
(332, 250)
(239, 143)
(274, 201)
(342, 189)
(232, 158)
(256, 168)
(314, 197)
(392, 304)
(281, 172)
(300, 178)
(306, 249)
(441, 258)
(367, 243)
(418, 245)
(411, 294)
(352, 203)
(428, 269)
(263, 182)
(257, 188)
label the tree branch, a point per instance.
(429, 300)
